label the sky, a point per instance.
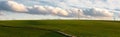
(59, 9)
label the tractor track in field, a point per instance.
(56, 31)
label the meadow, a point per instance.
(46, 28)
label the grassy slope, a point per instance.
(23, 32)
(81, 28)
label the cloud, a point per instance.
(59, 11)
(50, 10)
(75, 12)
(12, 6)
(0, 13)
(97, 12)
(37, 9)
(117, 14)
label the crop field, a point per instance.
(48, 28)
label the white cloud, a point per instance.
(12, 6)
(37, 9)
(16, 6)
(59, 11)
(97, 12)
(51, 10)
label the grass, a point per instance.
(79, 28)
(26, 32)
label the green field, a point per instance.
(79, 28)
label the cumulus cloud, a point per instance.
(97, 12)
(37, 9)
(12, 6)
(59, 11)
(50, 10)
